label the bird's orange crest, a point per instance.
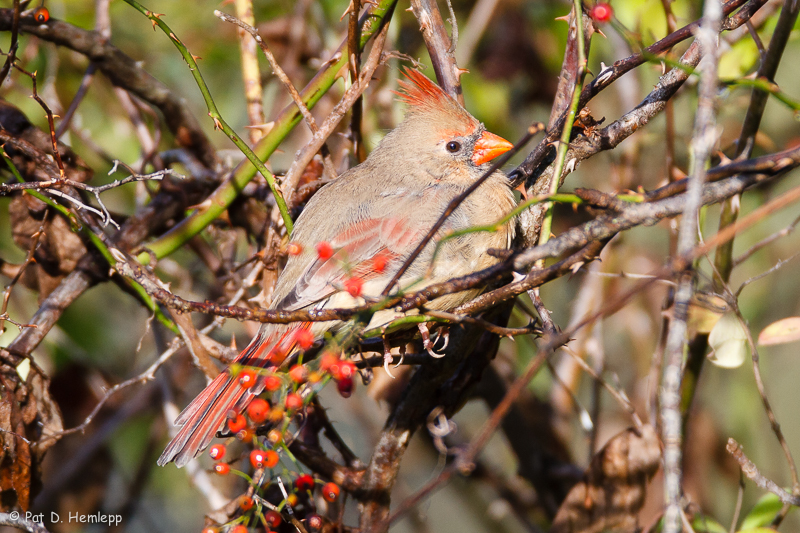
(419, 91)
(423, 95)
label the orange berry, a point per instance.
(217, 451)
(314, 377)
(379, 263)
(304, 338)
(258, 458)
(271, 459)
(276, 414)
(247, 378)
(354, 286)
(601, 12)
(272, 383)
(291, 500)
(293, 401)
(294, 248)
(41, 15)
(273, 518)
(222, 468)
(274, 437)
(210, 529)
(324, 250)
(327, 361)
(330, 492)
(240, 528)
(245, 435)
(258, 410)
(245, 502)
(298, 373)
(237, 423)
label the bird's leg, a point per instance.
(426, 340)
(387, 357)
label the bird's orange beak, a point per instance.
(488, 147)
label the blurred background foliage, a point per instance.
(104, 337)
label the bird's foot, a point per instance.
(426, 341)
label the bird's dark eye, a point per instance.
(453, 147)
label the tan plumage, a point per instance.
(383, 206)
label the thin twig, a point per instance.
(751, 471)
(703, 140)
(307, 153)
(276, 68)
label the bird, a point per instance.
(355, 233)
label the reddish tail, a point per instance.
(208, 411)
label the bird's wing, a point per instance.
(367, 249)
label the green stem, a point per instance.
(563, 145)
(219, 122)
(221, 198)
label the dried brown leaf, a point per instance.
(614, 487)
(781, 332)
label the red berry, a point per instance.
(217, 451)
(272, 383)
(354, 286)
(247, 378)
(222, 468)
(245, 502)
(258, 410)
(602, 12)
(293, 401)
(379, 263)
(304, 338)
(298, 373)
(314, 522)
(272, 518)
(324, 250)
(294, 248)
(345, 387)
(304, 483)
(41, 15)
(330, 492)
(258, 458)
(238, 529)
(237, 423)
(271, 459)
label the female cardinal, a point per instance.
(356, 232)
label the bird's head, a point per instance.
(439, 133)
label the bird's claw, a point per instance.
(444, 334)
(387, 357)
(426, 341)
(402, 355)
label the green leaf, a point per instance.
(706, 524)
(762, 514)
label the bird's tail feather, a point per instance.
(205, 415)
